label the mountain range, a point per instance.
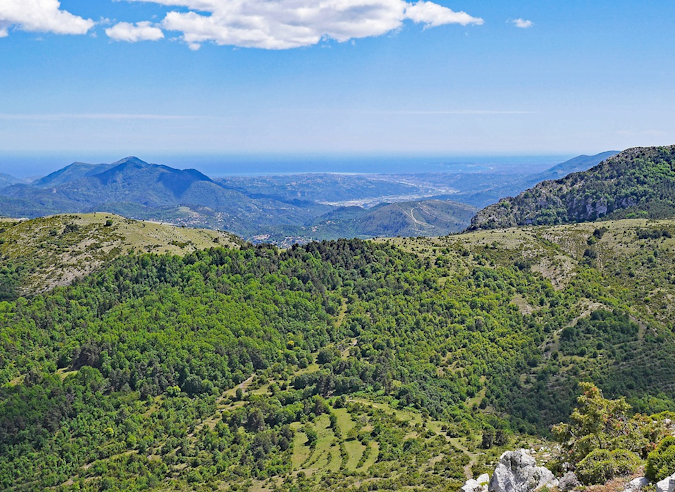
(279, 209)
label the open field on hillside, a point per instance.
(56, 250)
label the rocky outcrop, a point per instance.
(568, 482)
(478, 485)
(666, 485)
(636, 485)
(518, 472)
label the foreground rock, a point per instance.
(518, 472)
(636, 485)
(478, 485)
(666, 485)
(568, 482)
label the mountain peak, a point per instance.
(131, 161)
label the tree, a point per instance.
(488, 438)
(602, 440)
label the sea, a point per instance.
(23, 165)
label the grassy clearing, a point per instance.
(373, 451)
(345, 422)
(301, 452)
(62, 248)
(321, 456)
(355, 451)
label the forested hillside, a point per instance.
(617, 277)
(409, 362)
(419, 218)
(638, 182)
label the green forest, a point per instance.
(334, 365)
(637, 183)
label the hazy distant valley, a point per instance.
(282, 209)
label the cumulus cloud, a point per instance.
(284, 24)
(40, 16)
(132, 33)
(522, 23)
(433, 15)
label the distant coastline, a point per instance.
(220, 165)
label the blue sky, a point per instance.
(583, 77)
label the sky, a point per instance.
(452, 77)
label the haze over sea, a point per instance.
(30, 165)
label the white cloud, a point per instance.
(522, 23)
(132, 33)
(433, 15)
(40, 16)
(284, 24)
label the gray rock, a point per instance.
(636, 485)
(666, 485)
(568, 482)
(478, 485)
(517, 471)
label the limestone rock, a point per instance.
(636, 485)
(517, 471)
(666, 485)
(568, 482)
(478, 485)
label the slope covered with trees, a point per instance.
(419, 218)
(638, 182)
(333, 365)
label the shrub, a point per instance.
(71, 228)
(601, 424)
(661, 461)
(602, 465)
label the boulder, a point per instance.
(517, 471)
(478, 485)
(636, 485)
(568, 482)
(666, 485)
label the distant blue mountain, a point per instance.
(492, 193)
(575, 165)
(7, 180)
(73, 172)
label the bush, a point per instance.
(661, 461)
(602, 465)
(600, 424)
